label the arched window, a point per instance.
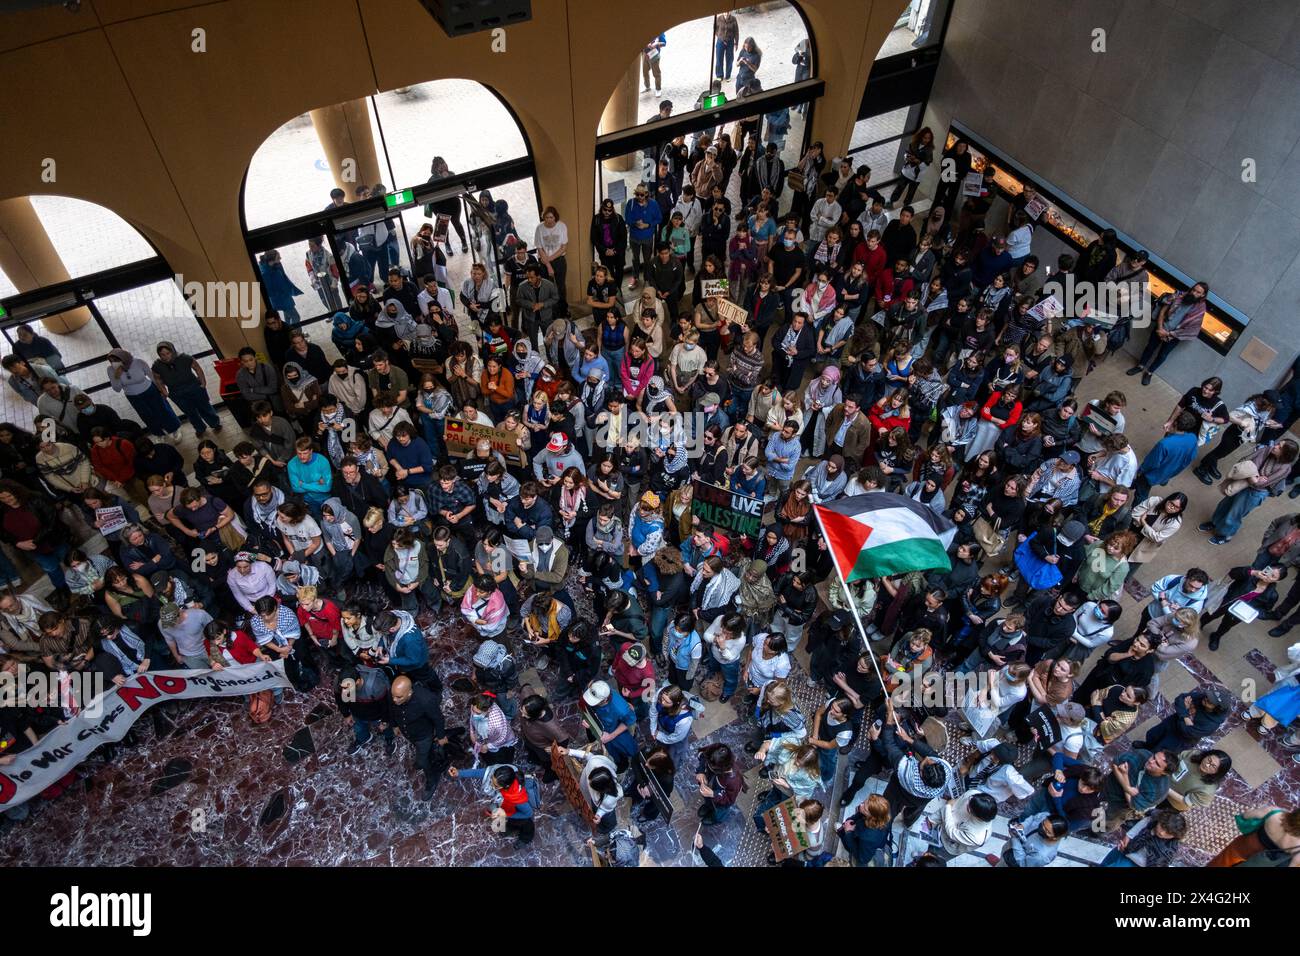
(724, 82)
(87, 281)
(381, 153)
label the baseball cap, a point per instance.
(597, 693)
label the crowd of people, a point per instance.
(853, 350)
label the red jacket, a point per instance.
(888, 291)
(1012, 419)
(514, 796)
(242, 648)
(114, 461)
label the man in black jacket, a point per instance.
(358, 489)
(609, 239)
(1049, 621)
(416, 713)
(669, 279)
(793, 348)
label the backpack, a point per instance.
(302, 677)
(534, 790)
(371, 596)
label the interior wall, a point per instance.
(140, 123)
(1151, 134)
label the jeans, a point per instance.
(827, 761)
(730, 673)
(1156, 352)
(642, 255)
(7, 570)
(154, 412)
(724, 54)
(615, 359)
(767, 802)
(1232, 511)
(659, 618)
(793, 633)
(197, 407)
(737, 404)
(52, 564)
(561, 267)
(1116, 858)
(361, 731)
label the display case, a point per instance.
(1072, 224)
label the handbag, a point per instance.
(1207, 434)
(1238, 477)
(795, 178)
(711, 687)
(259, 706)
(987, 534)
(1038, 574)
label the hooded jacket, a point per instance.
(341, 533)
(409, 651)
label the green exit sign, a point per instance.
(398, 200)
(3, 313)
(713, 100)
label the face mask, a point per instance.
(688, 346)
(1101, 615)
(88, 409)
(820, 284)
(788, 243)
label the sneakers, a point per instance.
(356, 747)
(1205, 527)
(1219, 539)
(1135, 370)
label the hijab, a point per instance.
(758, 598)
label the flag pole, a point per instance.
(853, 609)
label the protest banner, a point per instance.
(727, 510)
(114, 713)
(714, 287)
(729, 311)
(786, 829)
(461, 437)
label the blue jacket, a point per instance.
(609, 715)
(345, 330)
(312, 480)
(410, 651)
(650, 213)
(533, 518)
(1170, 456)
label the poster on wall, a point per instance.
(973, 184)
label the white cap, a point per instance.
(597, 693)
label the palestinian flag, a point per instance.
(879, 534)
